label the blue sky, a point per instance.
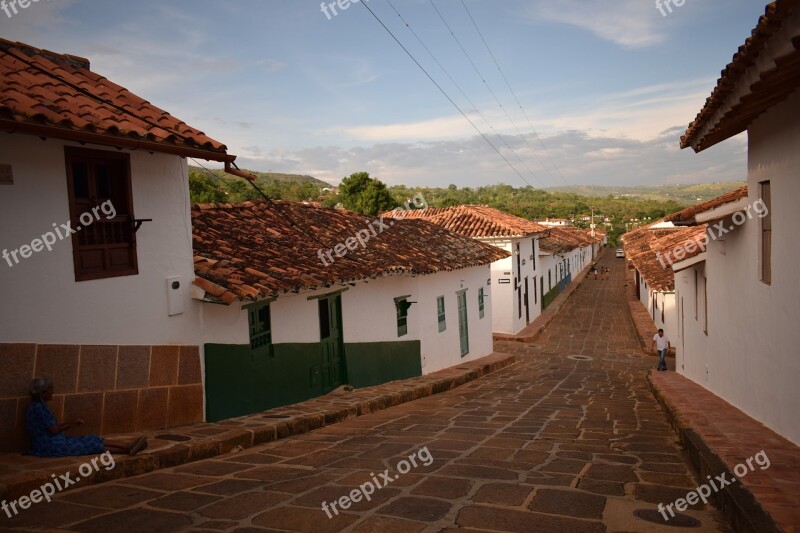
(608, 85)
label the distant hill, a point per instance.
(271, 177)
(684, 194)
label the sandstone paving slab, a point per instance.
(549, 444)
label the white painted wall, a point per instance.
(752, 345)
(43, 303)
(506, 306)
(658, 305)
(369, 315)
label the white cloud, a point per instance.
(629, 23)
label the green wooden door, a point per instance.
(463, 328)
(331, 345)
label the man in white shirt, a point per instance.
(661, 342)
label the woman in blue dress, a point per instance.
(47, 435)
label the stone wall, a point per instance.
(114, 389)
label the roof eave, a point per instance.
(40, 130)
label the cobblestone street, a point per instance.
(553, 443)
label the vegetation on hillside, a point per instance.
(614, 213)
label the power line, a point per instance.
(488, 87)
(444, 93)
(497, 64)
(468, 99)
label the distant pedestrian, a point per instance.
(594, 271)
(608, 272)
(661, 343)
(602, 272)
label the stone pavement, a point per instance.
(20, 474)
(552, 443)
(718, 438)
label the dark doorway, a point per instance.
(331, 343)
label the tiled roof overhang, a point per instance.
(763, 73)
(261, 249)
(55, 95)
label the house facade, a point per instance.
(743, 346)
(307, 308)
(651, 250)
(515, 279)
(96, 250)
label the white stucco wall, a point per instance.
(42, 301)
(752, 347)
(505, 307)
(369, 315)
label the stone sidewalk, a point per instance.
(718, 437)
(568, 439)
(171, 447)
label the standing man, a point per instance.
(661, 342)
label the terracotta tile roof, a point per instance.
(477, 221)
(638, 240)
(742, 105)
(259, 249)
(655, 260)
(57, 95)
(561, 240)
(687, 216)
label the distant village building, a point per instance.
(740, 300)
(543, 260)
(550, 222)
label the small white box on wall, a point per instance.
(174, 296)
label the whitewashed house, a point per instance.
(563, 253)
(542, 260)
(651, 251)
(316, 298)
(104, 310)
(741, 298)
(516, 279)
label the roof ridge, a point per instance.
(66, 60)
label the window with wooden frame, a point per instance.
(533, 253)
(765, 245)
(440, 313)
(705, 305)
(104, 247)
(402, 305)
(696, 294)
(260, 323)
(481, 310)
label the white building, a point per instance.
(516, 279)
(104, 311)
(651, 250)
(740, 299)
(318, 298)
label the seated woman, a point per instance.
(47, 435)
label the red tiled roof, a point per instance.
(638, 240)
(654, 262)
(259, 249)
(560, 240)
(773, 85)
(56, 95)
(688, 215)
(477, 221)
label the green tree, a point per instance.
(365, 195)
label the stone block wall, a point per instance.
(114, 389)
